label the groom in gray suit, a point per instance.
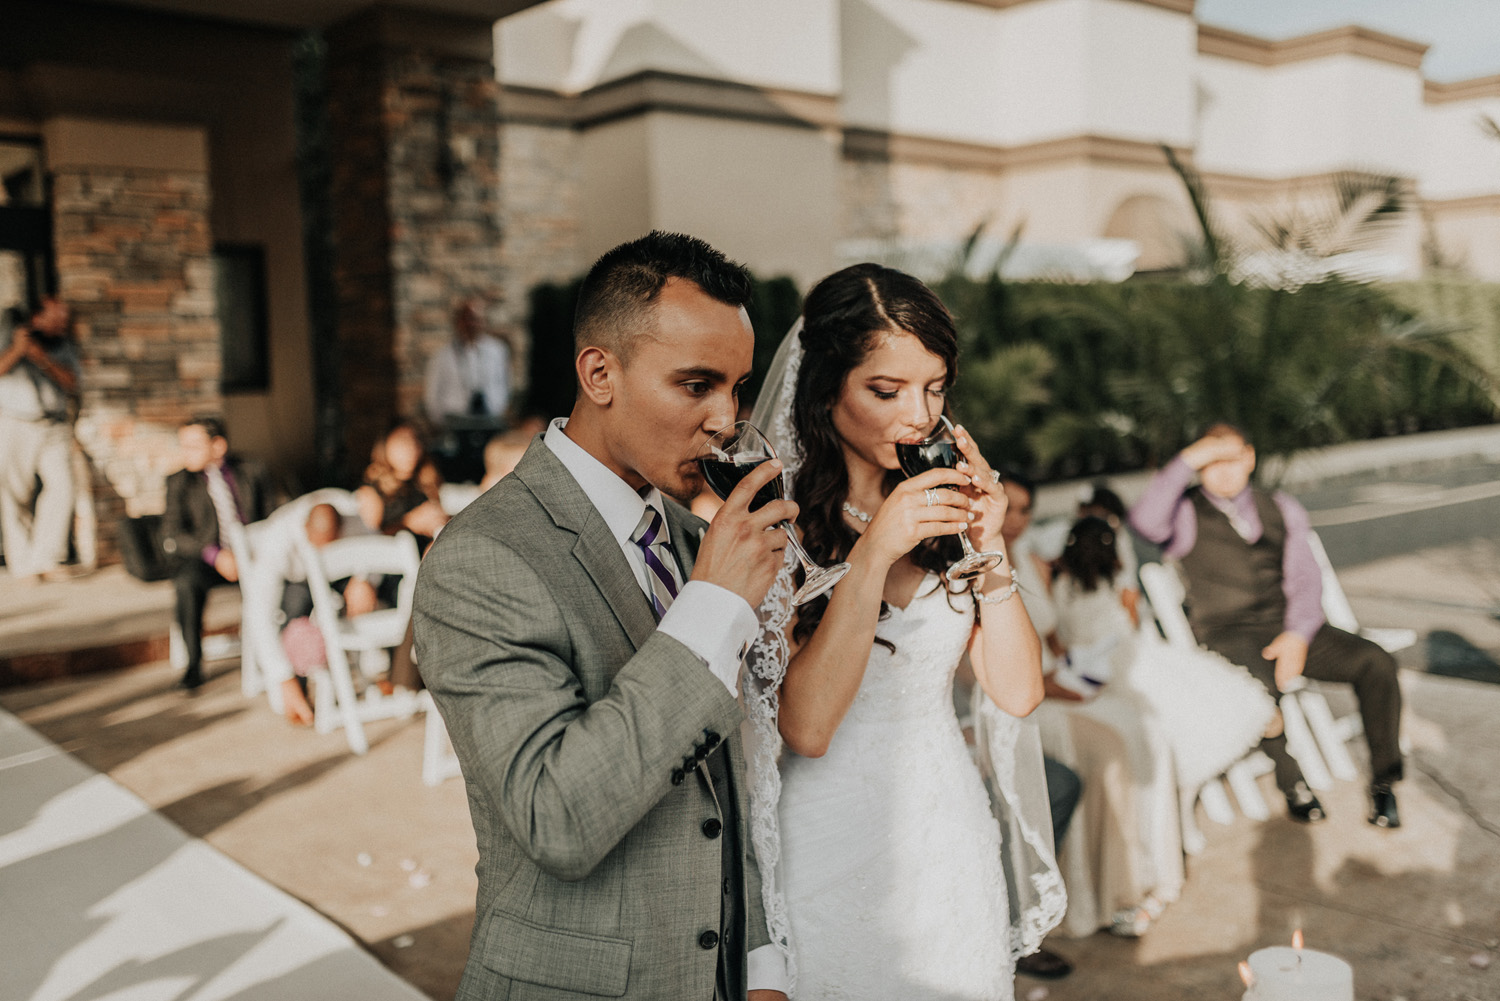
(581, 634)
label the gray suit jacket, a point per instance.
(579, 728)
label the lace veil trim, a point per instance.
(767, 659)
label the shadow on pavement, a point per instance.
(1453, 656)
(77, 877)
(204, 811)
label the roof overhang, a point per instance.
(302, 14)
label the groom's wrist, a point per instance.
(715, 624)
(765, 970)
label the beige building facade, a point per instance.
(801, 134)
(268, 208)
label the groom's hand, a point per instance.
(742, 549)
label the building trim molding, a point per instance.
(75, 142)
(1176, 6)
(1466, 203)
(1472, 89)
(653, 90)
(872, 144)
(1348, 40)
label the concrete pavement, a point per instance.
(363, 842)
(106, 898)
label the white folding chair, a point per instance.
(1338, 611)
(439, 763)
(272, 544)
(366, 637)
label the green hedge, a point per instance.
(1067, 379)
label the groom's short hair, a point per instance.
(615, 300)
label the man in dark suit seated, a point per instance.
(211, 488)
(1254, 595)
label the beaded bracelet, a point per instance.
(996, 597)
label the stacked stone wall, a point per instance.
(541, 215)
(134, 261)
(442, 129)
(415, 139)
(366, 368)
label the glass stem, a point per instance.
(963, 540)
(791, 539)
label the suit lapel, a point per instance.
(600, 555)
(595, 549)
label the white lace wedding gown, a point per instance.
(891, 857)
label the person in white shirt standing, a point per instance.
(470, 375)
(38, 375)
(467, 390)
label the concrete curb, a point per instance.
(1432, 448)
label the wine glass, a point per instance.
(728, 458)
(939, 450)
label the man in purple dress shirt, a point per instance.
(1254, 595)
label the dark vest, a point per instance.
(1231, 582)
(732, 940)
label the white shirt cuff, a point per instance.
(766, 970)
(714, 623)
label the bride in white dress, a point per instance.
(895, 880)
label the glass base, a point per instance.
(974, 565)
(819, 581)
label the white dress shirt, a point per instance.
(711, 621)
(457, 371)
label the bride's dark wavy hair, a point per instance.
(843, 317)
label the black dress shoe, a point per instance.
(1383, 812)
(1302, 806)
(1044, 965)
(191, 680)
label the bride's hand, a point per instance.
(984, 489)
(919, 508)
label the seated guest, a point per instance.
(1123, 861)
(401, 488)
(501, 453)
(212, 491)
(300, 638)
(1254, 595)
(1102, 502)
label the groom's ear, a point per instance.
(597, 368)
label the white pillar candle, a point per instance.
(1282, 973)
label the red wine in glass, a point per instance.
(939, 450)
(728, 458)
(723, 477)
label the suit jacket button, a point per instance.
(712, 827)
(711, 739)
(677, 776)
(708, 940)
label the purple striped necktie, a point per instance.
(651, 536)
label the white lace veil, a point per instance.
(1010, 749)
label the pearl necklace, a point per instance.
(856, 513)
